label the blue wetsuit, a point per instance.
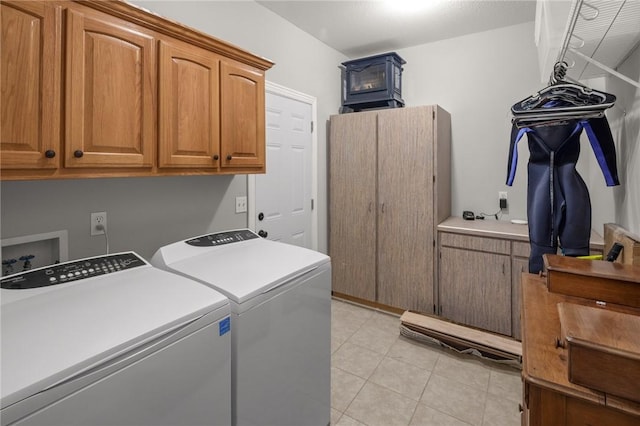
(558, 205)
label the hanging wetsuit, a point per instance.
(558, 205)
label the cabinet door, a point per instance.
(405, 208)
(242, 107)
(30, 71)
(189, 128)
(110, 118)
(518, 266)
(475, 289)
(352, 204)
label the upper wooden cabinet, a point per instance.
(242, 106)
(110, 83)
(189, 93)
(113, 90)
(30, 99)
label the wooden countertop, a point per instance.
(543, 363)
(499, 229)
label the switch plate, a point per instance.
(98, 218)
(241, 204)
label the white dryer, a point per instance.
(111, 340)
(280, 298)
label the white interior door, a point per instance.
(282, 207)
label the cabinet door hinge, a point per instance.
(434, 178)
(433, 114)
(312, 127)
(312, 204)
(434, 308)
(434, 243)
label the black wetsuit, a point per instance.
(558, 205)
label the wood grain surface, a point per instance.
(613, 233)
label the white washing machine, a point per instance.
(111, 340)
(280, 298)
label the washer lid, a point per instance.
(52, 335)
(242, 270)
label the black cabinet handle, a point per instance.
(216, 157)
(229, 157)
(263, 234)
(50, 153)
(78, 153)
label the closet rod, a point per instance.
(606, 68)
(569, 34)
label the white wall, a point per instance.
(145, 213)
(302, 62)
(477, 78)
(624, 119)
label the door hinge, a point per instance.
(434, 308)
(434, 178)
(312, 127)
(434, 243)
(433, 114)
(312, 204)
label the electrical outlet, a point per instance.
(99, 218)
(241, 204)
(502, 200)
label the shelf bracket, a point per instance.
(577, 12)
(604, 67)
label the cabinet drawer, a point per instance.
(521, 249)
(474, 243)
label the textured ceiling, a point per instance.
(360, 28)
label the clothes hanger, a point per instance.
(549, 119)
(561, 101)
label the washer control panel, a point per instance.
(72, 271)
(221, 238)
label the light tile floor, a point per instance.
(379, 377)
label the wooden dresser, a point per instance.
(550, 398)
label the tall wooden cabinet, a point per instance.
(389, 187)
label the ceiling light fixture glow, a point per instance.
(409, 6)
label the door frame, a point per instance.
(283, 91)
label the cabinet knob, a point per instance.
(229, 157)
(78, 153)
(50, 153)
(216, 157)
(263, 233)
